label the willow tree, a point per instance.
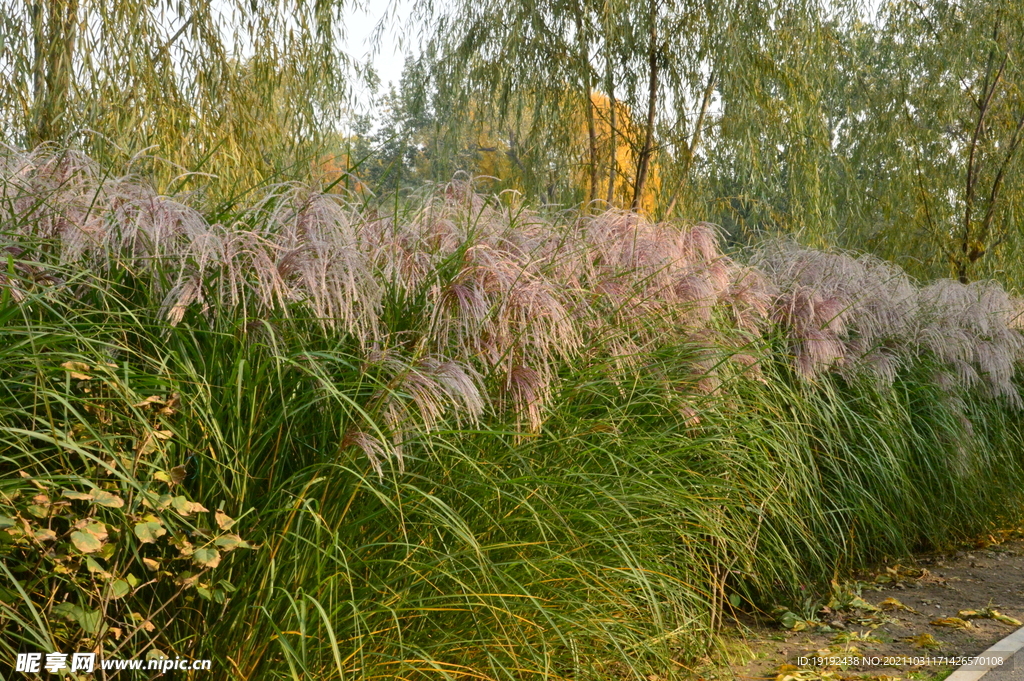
(544, 60)
(244, 89)
(524, 69)
(900, 134)
(785, 92)
(943, 124)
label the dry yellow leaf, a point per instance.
(924, 641)
(952, 622)
(894, 604)
(77, 369)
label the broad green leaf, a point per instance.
(224, 521)
(38, 511)
(91, 621)
(77, 496)
(206, 557)
(45, 535)
(119, 588)
(149, 532)
(99, 530)
(95, 568)
(65, 609)
(229, 542)
(104, 498)
(86, 542)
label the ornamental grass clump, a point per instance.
(975, 330)
(863, 315)
(506, 294)
(452, 436)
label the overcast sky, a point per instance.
(390, 55)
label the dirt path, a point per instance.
(904, 637)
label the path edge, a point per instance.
(1008, 647)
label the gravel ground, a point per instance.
(939, 607)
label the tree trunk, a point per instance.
(691, 148)
(584, 64)
(644, 161)
(592, 135)
(612, 141)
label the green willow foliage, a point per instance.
(242, 90)
(898, 133)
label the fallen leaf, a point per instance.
(893, 604)
(925, 641)
(860, 604)
(952, 622)
(1012, 621)
(929, 577)
(989, 613)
